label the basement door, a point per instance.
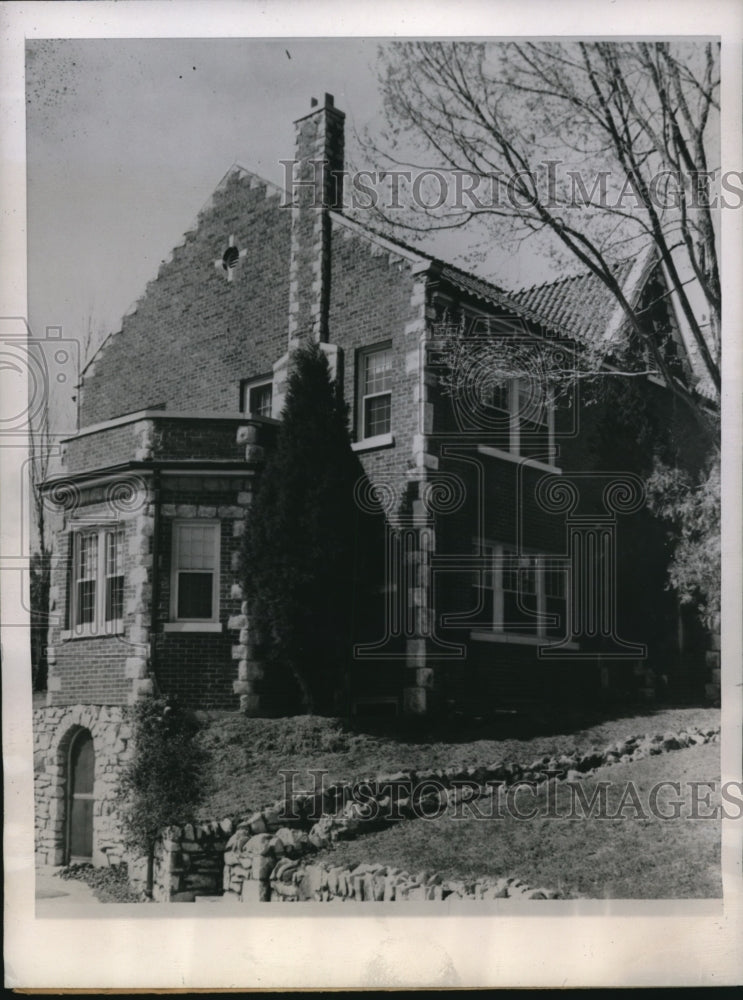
(80, 798)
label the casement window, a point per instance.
(195, 573)
(257, 397)
(520, 593)
(527, 412)
(374, 392)
(96, 598)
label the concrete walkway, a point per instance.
(51, 890)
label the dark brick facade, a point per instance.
(176, 369)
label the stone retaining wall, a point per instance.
(263, 858)
(188, 863)
(257, 874)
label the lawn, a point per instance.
(634, 856)
(246, 755)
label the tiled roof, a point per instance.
(580, 306)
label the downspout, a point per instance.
(155, 593)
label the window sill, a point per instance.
(192, 627)
(508, 456)
(113, 630)
(518, 639)
(380, 441)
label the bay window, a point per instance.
(96, 594)
(520, 593)
(527, 412)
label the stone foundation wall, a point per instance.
(54, 729)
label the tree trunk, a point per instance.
(150, 870)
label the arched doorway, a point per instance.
(81, 775)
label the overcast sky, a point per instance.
(127, 138)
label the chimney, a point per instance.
(317, 188)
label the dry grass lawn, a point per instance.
(247, 755)
(630, 857)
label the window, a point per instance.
(195, 574)
(520, 593)
(96, 604)
(528, 417)
(375, 393)
(257, 397)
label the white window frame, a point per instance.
(514, 390)
(513, 451)
(99, 626)
(211, 624)
(247, 387)
(361, 436)
(496, 631)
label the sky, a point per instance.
(127, 139)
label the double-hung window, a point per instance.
(96, 597)
(195, 573)
(525, 412)
(375, 392)
(519, 593)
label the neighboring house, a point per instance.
(503, 585)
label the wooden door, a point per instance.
(80, 801)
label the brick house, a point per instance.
(491, 505)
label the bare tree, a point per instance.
(40, 562)
(601, 154)
(536, 124)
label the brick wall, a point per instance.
(194, 334)
(158, 437)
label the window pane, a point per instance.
(534, 440)
(195, 595)
(554, 581)
(510, 574)
(114, 598)
(114, 552)
(528, 575)
(259, 400)
(377, 412)
(85, 602)
(496, 396)
(519, 612)
(88, 557)
(195, 546)
(377, 372)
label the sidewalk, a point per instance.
(50, 889)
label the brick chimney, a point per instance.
(317, 187)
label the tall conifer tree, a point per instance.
(300, 539)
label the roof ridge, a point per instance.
(425, 253)
(584, 273)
